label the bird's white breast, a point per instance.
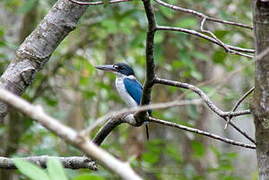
(123, 92)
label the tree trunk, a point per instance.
(261, 96)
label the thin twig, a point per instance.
(222, 44)
(74, 162)
(237, 105)
(98, 2)
(237, 50)
(227, 49)
(201, 15)
(197, 131)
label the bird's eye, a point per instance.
(116, 67)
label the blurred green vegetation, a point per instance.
(70, 89)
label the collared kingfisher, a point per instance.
(129, 89)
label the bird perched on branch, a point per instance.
(129, 89)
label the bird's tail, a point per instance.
(147, 131)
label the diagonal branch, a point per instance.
(201, 15)
(209, 103)
(204, 133)
(69, 135)
(74, 162)
(198, 91)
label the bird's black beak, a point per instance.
(109, 68)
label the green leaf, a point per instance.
(56, 170)
(30, 170)
(88, 177)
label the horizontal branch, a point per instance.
(98, 2)
(74, 138)
(236, 50)
(74, 162)
(201, 15)
(197, 131)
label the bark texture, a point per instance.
(37, 48)
(261, 95)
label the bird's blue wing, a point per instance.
(134, 88)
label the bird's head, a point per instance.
(118, 68)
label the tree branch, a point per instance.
(201, 15)
(150, 65)
(204, 97)
(125, 116)
(197, 131)
(202, 28)
(106, 129)
(236, 50)
(75, 162)
(237, 105)
(69, 135)
(37, 48)
(209, 103)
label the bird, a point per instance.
(129, 88)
